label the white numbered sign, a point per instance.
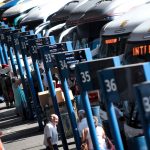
(146, 104)
(23, 45)
(110, 85)
(47, 58)
(85, 76)
(16, 41)
(34, 49)
(63, 64)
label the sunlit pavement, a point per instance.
(25, 135)
(21, 135)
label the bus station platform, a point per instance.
(25, 135)
(22, 135)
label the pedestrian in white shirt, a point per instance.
(51, 133)
(82, 121)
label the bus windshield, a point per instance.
(112, 46)
(137, 52)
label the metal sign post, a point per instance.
(5, 52)
(34, 44)
(117, 83)
(143, 99)
(10, 49)
(3, 42)
(2, 55)
(23, 41)
(64, 60)
(88, 81)
(47, 53)
(13, 47)
(108, 88)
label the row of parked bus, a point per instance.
(80, 21)
(110, 28)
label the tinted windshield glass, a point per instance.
(112, 46)
(137, 52)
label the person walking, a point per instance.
(86, 138)
(20, 100)
(51, 133)
(82, 121)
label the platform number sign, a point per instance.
(63, 64)
(8, 38)
(33, 49)
(67, 60)
(2, 34)
(146, 104)
(16, 40)
(48, 53)
(143, 99)
(85, 76)
(108, 85)
(48, 58)
(24, 40)
(23, 45)
(42, 41)
(35, 45)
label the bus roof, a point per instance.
(22, 7)
(77, 13)
(108, 10)
(97, 12)
(141, 32)
(127, 22)
(42, 12)
(63, 13)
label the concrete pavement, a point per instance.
(21, 135)
(25, 135)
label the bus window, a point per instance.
(113, 46)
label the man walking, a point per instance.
(51, 134)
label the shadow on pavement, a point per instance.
(22, 134)
(11, 121)
(7, 118)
